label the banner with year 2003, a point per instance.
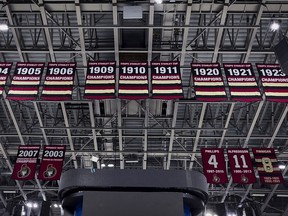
(26, 163)
(25, 81)
(133, 80)
(208, 82)
(59, 81)
(166, 80)
(52, 162)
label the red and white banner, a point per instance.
(59, 81)
(214, 166)
(166, 80)
(242, 82)
(267, 166)
(26, 163)
(133, 80)
(241, 166)
(52, 162)
(274, 82)
(208, 82)
(5, 69)
(25, 81)
(100, 80)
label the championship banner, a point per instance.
(241, 166)
(133, 80)
(166, 80)
(5, 69)
(59, 81)
(274, 82)
(26, 163)
(214, 166)
(25, 81)
(100, 80)
(208, 82)
(267, 166)
(242, 82)
(52, 162)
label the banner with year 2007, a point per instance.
(100, 80)
(214, 166)
(133, 80)
(25, 81)
(208, 82)
(59, 81)
(52, 162)
(166, 80)
(26, 163)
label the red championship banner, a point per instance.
(242, 82)
(267, 166)
(52, 162)
(100, 80)
(214, 166)
(5, 69)
(166, 80)
(59, 81)
(26, 163)
(208, 82)
(25, 81)
(274, 82)
(133, 80)
(241, 166)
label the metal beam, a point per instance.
(115, 30)
(146, 124)
(70, 140)
(40, 123)
(172, 134)
(197, 138)
(119, 118)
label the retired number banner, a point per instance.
(242, 82)
(26, 163)
(133, 80)
(52, 162)
(274, 82)
(208, 82)
(25, 81)
(267, 166)
(100, 80)
(5, 69)
(59, 81)
(214, 166)
(166, 80)
(241, 166)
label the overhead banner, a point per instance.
(100, 80)
(133, 80)
(52, 162)
(59, 81)
(25, 81)
(274, 82)
(242, 82)
(214, 166)
(5, 69)
(267, 166)
(26, 163)
(208, 82)
(241, 166)
(166, 80)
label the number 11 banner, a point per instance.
(241, 166)
(214, 166)
(267, 166)
(52, 162)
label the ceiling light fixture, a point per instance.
(282, 166)
(55, 205)
(29, 204)
(35, 205)
(4, 27)
(274, 26)
(110, 165)
(158, 1)
(103, 165)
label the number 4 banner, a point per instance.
(26, 163)
(241, 166)
(214, 166)
(267, 166)
(52, 162)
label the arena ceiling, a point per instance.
(156, 134)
